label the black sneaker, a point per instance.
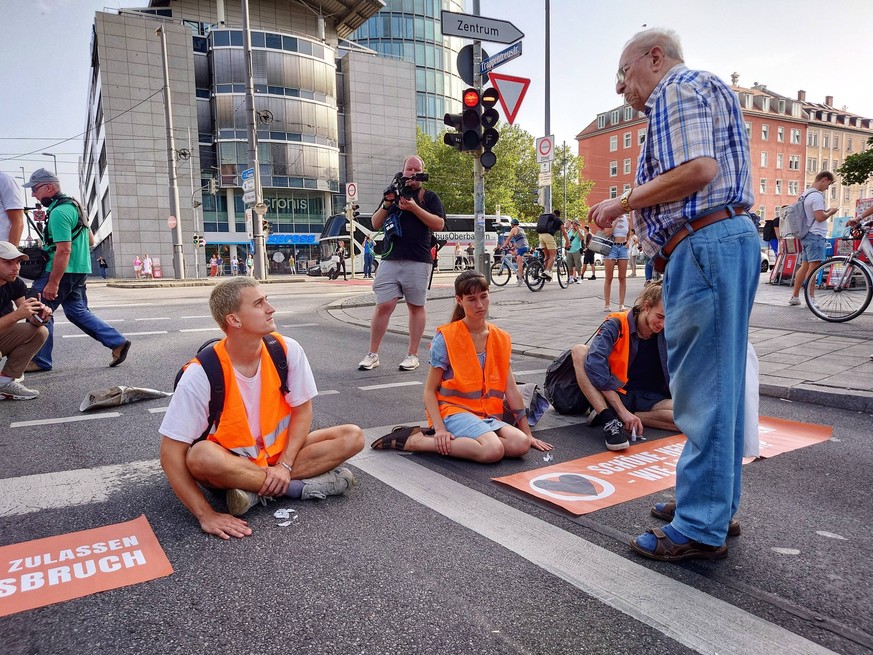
(616, 437)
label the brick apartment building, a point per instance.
(790, 141)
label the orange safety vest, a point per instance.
(619, 358)
(474, 389)
(233, 431)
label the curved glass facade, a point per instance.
(410, 30)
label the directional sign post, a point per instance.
(478, 27)
(248, 174)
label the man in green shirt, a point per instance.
(67, 240)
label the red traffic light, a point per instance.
(471, 98)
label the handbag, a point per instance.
(34, 267)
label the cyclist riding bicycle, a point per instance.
(516, 239)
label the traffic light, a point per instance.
(196, 240)
(489, 119)
(472, 120)
(213, 186)
(454, 139)
(202, 241)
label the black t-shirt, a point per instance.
(645, 372)
(9, 292)
(768, 232)
(415, 243)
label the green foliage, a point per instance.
(511, 184)
(857, 168)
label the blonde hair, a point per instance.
(225, 298)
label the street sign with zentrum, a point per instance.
(248, 174)
(248, 185)
(478, 27)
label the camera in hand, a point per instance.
(400, 186)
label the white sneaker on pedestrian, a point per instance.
(518, 282)
(607, 308)
(622, 308)
(369, 362)
(410, 363)
(14, 390)
(812, 303)
(332, 483)
(240, 501)
(794, 300)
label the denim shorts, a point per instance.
(618, 251)
(471, 426)
(814, 248)
(639, 400)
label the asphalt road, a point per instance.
(425, 554)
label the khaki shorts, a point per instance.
(547, 241)
(402, 278)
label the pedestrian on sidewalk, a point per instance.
(101, 262)
(814, 243)
(67, 241)
(148, 267)
(691, 199)
(616, 260)
(137, 267)
(574, 252)
(587, 257)
(277, 456)
(369, 254)
(468, 380)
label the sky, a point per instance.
(788, 45)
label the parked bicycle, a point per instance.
(843, 285)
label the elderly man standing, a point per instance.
(690, 200)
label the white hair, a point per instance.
(667, 39)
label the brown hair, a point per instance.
(825, 175)
(650, 294)
(466, 283)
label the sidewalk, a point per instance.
(813, 361)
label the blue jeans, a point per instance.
(71, 295)
(709, 287)
(649, 268)
(368, 265)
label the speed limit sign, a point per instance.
(351, 192)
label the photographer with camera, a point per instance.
(410, 214)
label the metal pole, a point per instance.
(547, 196)
(178, 256)
(193, 208)
(257, 219)
(478, 171)
(564, 154)
(48, 154)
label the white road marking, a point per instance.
(327, 392)
(206, 329)
(537, 371)
(153, 318)
(300, 325)
(388, 386)
(105, 320)
(157, 410)
(201, 316)
(127, 334)
(64, 419)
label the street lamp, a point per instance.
(48, 154)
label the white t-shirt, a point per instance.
(187, 415)
(620, 227)
(10, 198)
(813, 202)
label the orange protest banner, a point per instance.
(51, 570)
(584, 485)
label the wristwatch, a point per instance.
(625, 201)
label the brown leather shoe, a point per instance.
(119, 354)
(33, 368)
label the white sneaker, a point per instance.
(518, 282)
(607, 308)
(794, 300)
(410, 363)
(622, 308)
(369, 362)
(812, 303)
(332, 483)
(14, 390)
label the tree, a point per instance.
(858, 168)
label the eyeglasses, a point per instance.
(621, 74)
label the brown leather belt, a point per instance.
(660, 260)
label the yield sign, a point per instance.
(511, 90)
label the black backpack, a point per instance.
(561, 388)
(212, 367)
(548, 224)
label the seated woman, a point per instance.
(465, 389)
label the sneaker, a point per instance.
(571, 281)
(410, 363)
(622, 308)
(518, 281)
(593, 277)
(607, 308)
(546, 275)
(240, 501)
(332, 483)
(369, 362)
(616, 437)
(794, 300)
(14, 390)
(812, 303)
(594, 418)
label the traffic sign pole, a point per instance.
(478, 171)
(257, 230)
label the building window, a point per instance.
(833, 192)
(836, 164)
(765, 132)
(795, 137)
(613, 168)
(824, 164)
(764, 159)
(825, 139)
(794, 162)
(847, 194)
(836, 142)
(627, 166)
(763, 185)
(613, 117)
(780, 135)
(849, 144)
(601, 121)
(627, 140)
(626, 188)
(628, 113)
(781, 105)
(779, 159)
(762, 212)
(812, 139)
(778, 190)
(748, 130)
(641, 136)
(812, 164)
(613, 143)
(613, 192)
(793, 188)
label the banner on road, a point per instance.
(51, 570)
(584, 485)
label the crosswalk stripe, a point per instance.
(372, 387)
(64, 419)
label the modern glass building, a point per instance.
(410, 30)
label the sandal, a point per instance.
(396, 439)
(666, 511)
(666, 550)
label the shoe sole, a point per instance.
(734, 529)
(9, 396)
(361, 367)
(408, 368)
(612, 446)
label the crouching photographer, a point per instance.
(409, 215)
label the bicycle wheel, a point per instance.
(843, 289)
(563, 273)
(500, 273)
(533, 276)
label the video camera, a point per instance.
(400, 186)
